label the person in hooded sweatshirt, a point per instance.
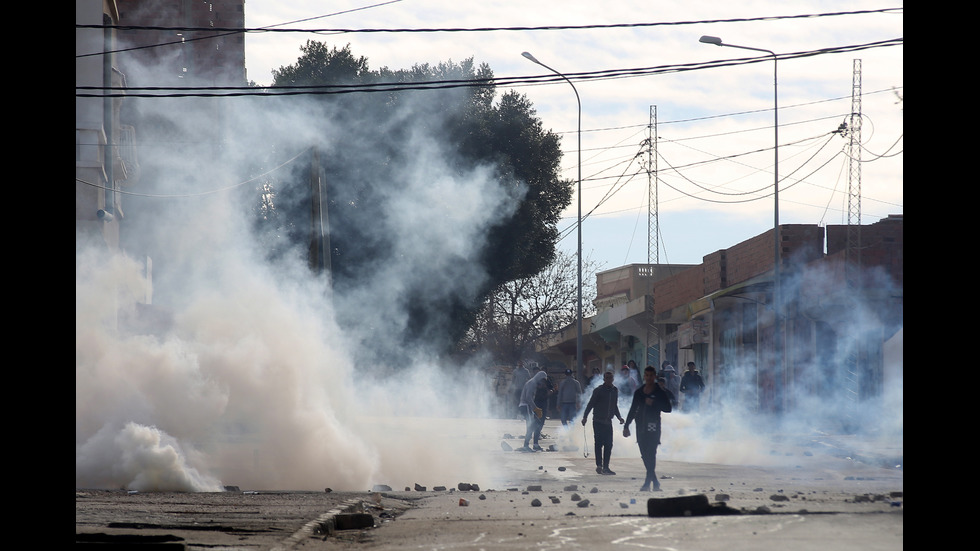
(535, 411)
(604, 405)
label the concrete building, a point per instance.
(119, 137)
(105, 158)
(719, 314)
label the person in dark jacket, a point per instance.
(648, 402)
(604, 404)
(691, 385)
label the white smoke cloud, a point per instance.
(254, 383)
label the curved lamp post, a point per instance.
(578, 335)
(775, 188)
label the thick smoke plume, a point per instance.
(251, 380)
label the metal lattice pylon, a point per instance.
(653, 231)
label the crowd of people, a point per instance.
(645, 399)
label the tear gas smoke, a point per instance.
(254, 382)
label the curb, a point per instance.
(349, 515)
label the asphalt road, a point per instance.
(842, 498)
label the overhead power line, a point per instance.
(483, 29)
(232, 91)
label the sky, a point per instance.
(714, 126)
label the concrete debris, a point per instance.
(571, 488)
(561, 469)
(235, 489)
(576, 497)
(483, 496)
(439, 489)
(381, 488)
(779, 497)
(328, 490)
(419, 488)
(353, 521)
(583, 503)
(594, 490)
(554, 499)
(467, 487)
(624, 505)
(534, 488)
(536, 502)
(722, 497)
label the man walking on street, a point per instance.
(604, 404)
(648, 401)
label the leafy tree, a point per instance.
(365, 171)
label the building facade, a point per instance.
(830, 333)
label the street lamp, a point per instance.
(578, 334)
(775, 169)
(775, 186)
(776, 292)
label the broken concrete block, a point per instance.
(353, 521)
(681, 506)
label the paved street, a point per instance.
(840, 495)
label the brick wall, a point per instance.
(680, 289)
(750, 258)
(714, 270)
(882, 245)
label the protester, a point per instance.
(518, 380)
(534, 413)
(673, 380)
(604, 404)
(542, 397)
(635, 373)
(626, 383)
(594, 378)
(569, 397)
(692, 385)
(648, 401)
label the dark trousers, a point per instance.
(648, 451)
(603, 443)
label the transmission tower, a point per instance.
(852, 253)
(653, 231)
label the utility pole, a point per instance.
(319, 240)
(653, 233)
(852, 253)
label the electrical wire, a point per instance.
(332, 89)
